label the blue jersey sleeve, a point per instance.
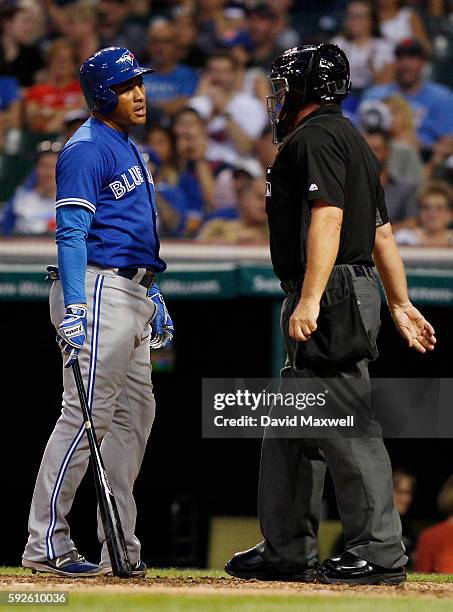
(80, 172)
(73, 223)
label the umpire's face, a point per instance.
(131, 108)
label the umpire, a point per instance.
(328, 227)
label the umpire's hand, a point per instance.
(414, 328)
(302, 322)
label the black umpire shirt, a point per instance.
(324, 158)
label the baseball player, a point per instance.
(328, 228)
(107, 309)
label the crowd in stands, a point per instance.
(207, 138)
(430, 549)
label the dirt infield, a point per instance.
(222, 586)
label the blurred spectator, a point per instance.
(400, 22)
(370, 56)
(116, 31)
(250, 80)
(287, 36)
(402, 126)
(262, 28)
(47, 103)
(189, 51)
(210, 19)
(19, 57)
(178, 193)
(265, 149)
(229, 183)
(32, 208)
(431, 103)
(170, 87)
(440, 165)
(72, 121)
(435, 214)
(234, 18)
(191, 144)
(400, 196)
(251, 225)
(235, 119)
(79, 26)
(187, 120)
(9, 102)
(395, 117)
(403, 494)
(435, 545)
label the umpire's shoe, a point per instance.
(350, 569)
(71, 565)
(251, 564)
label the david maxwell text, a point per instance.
(297, 420)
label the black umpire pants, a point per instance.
(292, 472)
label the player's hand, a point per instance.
(414, 328)
(302, 322)
(162, 329)
(72, 332)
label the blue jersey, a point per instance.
(101, 170)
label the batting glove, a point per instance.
(72, 333)
(162, 329)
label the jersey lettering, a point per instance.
(129, 186)
(136, 175)
(126, 184)
(118, 189)
(149, 175)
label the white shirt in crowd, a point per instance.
(245, 110)
(364, 59)
(399, 27)
(35, 214)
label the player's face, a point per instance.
(131, 108)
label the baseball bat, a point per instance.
(113, 530)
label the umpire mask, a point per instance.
(312, 73)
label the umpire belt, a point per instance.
(291, 286)
(142, 276)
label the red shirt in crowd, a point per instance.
(49, 96)
(435, 549)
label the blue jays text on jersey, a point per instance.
(101, 170)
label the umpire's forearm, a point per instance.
(323, 242)
(390, 267)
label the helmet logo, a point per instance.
(126, 57)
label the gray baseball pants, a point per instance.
(115, 365)
(292, 472)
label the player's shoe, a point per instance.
(350, 569)
(138, 571)
(251, 565)
(71, 565)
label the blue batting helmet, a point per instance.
(107, 67)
